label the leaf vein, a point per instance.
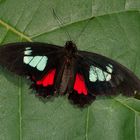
(135, 123)
(127, 106)
(33, 16)
(81, 20)
(9, 27)
(20, 108)
(87, 123)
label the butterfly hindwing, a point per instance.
(80, 94)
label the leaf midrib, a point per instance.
(9, 27)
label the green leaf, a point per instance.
(114, 31)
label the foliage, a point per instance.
(114, 31)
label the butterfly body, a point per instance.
(65, 76)
(56, 70)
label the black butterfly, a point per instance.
(56, 70)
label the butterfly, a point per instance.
(54, 70)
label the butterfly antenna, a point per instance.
(60, 23)
(83, 29)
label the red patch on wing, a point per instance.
(48, 79)
(79, 84)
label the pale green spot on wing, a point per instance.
(35, 61)
(92, 74)
(109, 68)
(27, 59)
(42, 63)
(28, 52)
(101, 76)
(107, 76)
(97, 74)
(28, 48)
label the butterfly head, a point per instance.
(70, 48)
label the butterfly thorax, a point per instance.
(70, 49)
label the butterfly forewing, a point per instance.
(38, 61)
(25, 58)
(107, 77)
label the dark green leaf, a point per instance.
(114, 31)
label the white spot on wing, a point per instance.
(35, 61)
(28, 48)
(101, 76)
(92, 74)
(109, 68)
(27, 59)
(42, 64)
(97, 73)
(27, 52)
(107, 76)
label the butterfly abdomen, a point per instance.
(65, 79)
